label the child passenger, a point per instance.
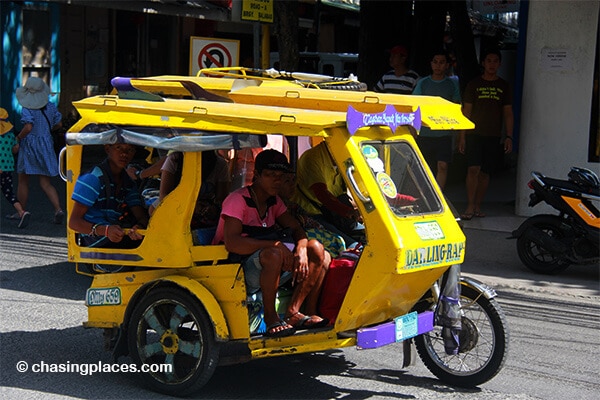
(106, 200)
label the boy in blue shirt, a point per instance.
(102, 200)
(436, 146)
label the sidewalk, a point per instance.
(493, 259)
(499, 203)
(42, 213)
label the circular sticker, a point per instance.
(370, 152)
(376, 164)
(387, 185)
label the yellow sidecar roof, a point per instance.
(205, 106)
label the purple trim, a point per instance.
(384, 334)
(122, 84)
(389, 117)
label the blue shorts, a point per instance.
(252, 270)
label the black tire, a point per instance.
(187, 341)
(483, 344)
(536, 257)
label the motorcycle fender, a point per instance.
(478, 286)
(517, 233)
(538, 236)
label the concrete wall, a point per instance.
(555, 121)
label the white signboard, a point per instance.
(213, 53)
(556, 59)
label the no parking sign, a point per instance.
(213, 53)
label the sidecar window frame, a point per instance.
(397, 169)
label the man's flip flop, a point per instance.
(270, 332)
(467, 216)
(303, 322)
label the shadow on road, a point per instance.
(293, 377)
(56, 280)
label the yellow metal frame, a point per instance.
(382, 286)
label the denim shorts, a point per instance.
(252, 270)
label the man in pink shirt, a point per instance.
(256, 211)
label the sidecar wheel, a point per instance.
(170, 327)
(483, 344)
(536, 257)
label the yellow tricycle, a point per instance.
(179, 302)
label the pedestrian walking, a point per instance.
(36, 145)
(8, 146)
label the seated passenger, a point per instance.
(321, 191)
(106, 200)
(249, 213)
(332, 242)
(214, 188)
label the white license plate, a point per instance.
(406, 326)
(103, 297)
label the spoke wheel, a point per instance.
(170, 329)
(483, 344)
(535, 256)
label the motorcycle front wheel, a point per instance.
(534, 255)
(483, 343)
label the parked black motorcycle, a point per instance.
(547, 243)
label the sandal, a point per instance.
(58, 217)
(288, 331)
(24, 220)
(304, 321)
(467, 216)
(478, 214)
(14, 216)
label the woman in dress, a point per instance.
(36, 145)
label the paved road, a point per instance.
(554, 324)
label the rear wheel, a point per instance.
(483, 343)
(535, 256)
(170, 329)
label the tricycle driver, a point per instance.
(247, 227)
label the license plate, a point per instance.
(406, 326)
(103, 297)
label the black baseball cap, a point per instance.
(271, 159)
